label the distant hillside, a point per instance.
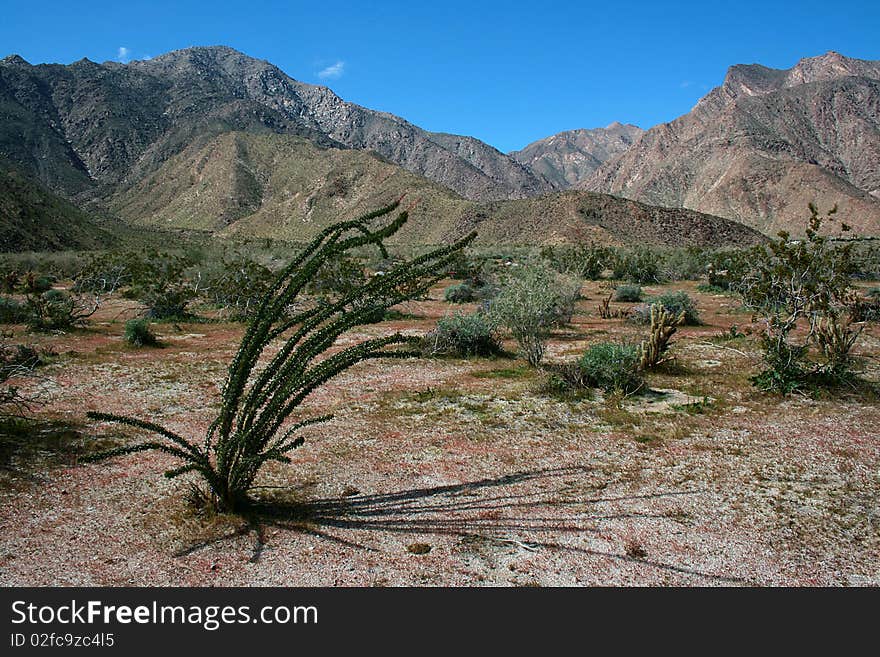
(763, 145)
(568, 158)
(34, 219)
(286, 187)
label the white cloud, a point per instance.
(685, 84)
(123, 55)
(333, 72)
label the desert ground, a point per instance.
(462, 472)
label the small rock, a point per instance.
(418, 548)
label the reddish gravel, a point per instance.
(501, 484)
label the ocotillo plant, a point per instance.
(259, 412)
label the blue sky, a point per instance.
(505, 72)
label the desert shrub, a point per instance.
(638, 266)
(16, 361)
(138, 333)
(460, 293)
(465, 267)
(687, 264)
(613, 367)
(530, 303)
(640, 314)
(282, 359)
(584, 261)
(159, 282)
(864, 308)
(726, 269)
(107, 272)
(36, 283)
(10, 279)
(12, 311)
(803, 280)
(238, 286)
(337, 277)
(677, 303)
(866, 262)
(58, 310)
(464, 335)
(628, 293)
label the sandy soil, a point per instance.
(460, 472)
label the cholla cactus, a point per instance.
(252, 425)
(663, 325)
(836, 335)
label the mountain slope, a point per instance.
(104, 124)
(286, 187)
(34, 219)
(763, 145)
(568, 158)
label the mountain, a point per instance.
(763, 145)
(570, 157)
(85, 128)
(283, 186)
(34, 219)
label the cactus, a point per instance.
(663, 326)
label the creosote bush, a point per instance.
(628, 293)
(464, 335)
(531, 302)
(17, 361)
(679, 303)
(460, 293)
(259, 417)
(138, 333)
(802, 281)
(613, 367)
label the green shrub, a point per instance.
(138, 334)
(628, 293)
(238, 286)
(531, 302)
(688, 264)
(460, 293)
(585, 261)
(676, 303)
(12, 311)
(726, 269)
(793, 280)
(640, 266)
(57, 310)
(107, 272)
(613, 367)
(159, 282)
(337, 277)
(16, 361)
(464, 335)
